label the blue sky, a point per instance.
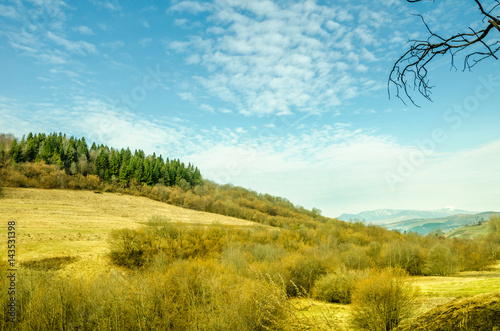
(283, 97)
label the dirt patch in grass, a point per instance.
(50, 263)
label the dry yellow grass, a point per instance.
(77, 223)
(318, 315)
(462, 284)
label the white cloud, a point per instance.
(114, 45)
(112, 5)
(468, 179)
(178, 46)
(191, 7)
(8, 11)
(267, 58)
(180, 21)
(98, 121)
(149, 9)
(68, 73)
(84, 30)
(207, 108)
(240, 130)
(78, 47)
(186, 96)
(345, 172)
(53, 57)
(144, 42)
(23, 48)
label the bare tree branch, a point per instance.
(409, 72)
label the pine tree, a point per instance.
(114, 166)
(82, 148)
(16, 151)
(124, 175)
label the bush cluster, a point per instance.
(191, 295)
(382, 300)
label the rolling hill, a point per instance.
(386, 216)
(442, 224)
(54, 223)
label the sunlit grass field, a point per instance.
(57, 223)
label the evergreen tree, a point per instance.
(71, 154)
(16, 151)
(82, 148)
(124, 175)
(31, 149)
(114, 166)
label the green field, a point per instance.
(470, 231)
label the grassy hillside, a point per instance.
(470, 231)
(442, 224)
(478, 313)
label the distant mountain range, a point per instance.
(420, 221)
(385, 216)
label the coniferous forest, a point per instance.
(120, 167)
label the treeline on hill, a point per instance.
(57, 161)
(111, 166)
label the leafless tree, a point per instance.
(410, 71)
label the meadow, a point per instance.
(54, 223)
(129, 262)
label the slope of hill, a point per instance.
(477, 230)
(56, 161)
(442, 224)
(385, 216)
(55, 223)
(481, 312)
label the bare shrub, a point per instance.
(337, 287)
(303, 271)
(131, 248)
(381, 301)
(440, 260)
